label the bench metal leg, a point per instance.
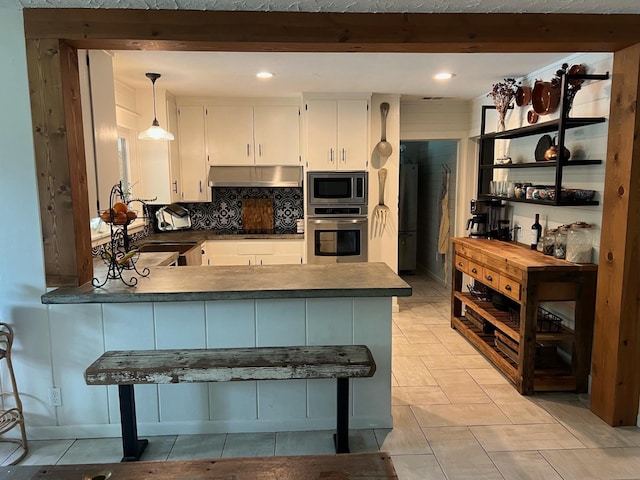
(341, 438)
(132, 447)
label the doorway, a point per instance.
(432, 159)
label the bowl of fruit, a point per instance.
(119, 214)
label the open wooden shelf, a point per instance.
(502, 322)
(559, 126)
(486, 310)
(556, 378)
(485, 343)
(559, 203)
(545, 127)
(553, 164)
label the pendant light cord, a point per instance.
(155, 114)
(153, 77)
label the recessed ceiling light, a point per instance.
(444, 76)
(264, 75)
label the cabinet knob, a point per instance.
(460, 264)
(490, 278)
(507, 288)
(474, 270)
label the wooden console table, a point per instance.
(534, 355)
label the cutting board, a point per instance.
(257, 215)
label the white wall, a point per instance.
(384, 248)
(22, 265)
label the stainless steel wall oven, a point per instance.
(337, 223)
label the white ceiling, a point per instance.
(418, 6)
(233, 74)
(409, 74)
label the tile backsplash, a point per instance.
(224, 212)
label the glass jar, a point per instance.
(560, 249)
(579, 243)
(549, 242)
(517, 190)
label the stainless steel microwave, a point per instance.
(337, 188)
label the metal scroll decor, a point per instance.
(119, 256)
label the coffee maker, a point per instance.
(477, 225)
(488, 220)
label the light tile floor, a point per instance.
(455, 418)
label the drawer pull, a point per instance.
(507, 288)
(460, 264)
(490, 278)
(474, 270)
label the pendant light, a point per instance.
(155, 131)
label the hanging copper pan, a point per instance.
(545, 97)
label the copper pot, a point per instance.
(551, 154)
(545, 97)
(523, 96)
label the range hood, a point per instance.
(252, 176)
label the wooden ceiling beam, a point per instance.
(332, 32)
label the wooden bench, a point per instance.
(355, 466)
(135, 367)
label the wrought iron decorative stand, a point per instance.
(118, 254)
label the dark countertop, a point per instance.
(200, 236)
(181, 284)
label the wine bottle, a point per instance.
(536, 232)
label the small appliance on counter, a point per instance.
(487, 220)
(173, 217)
(477, 225)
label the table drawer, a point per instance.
(510, 288)
(462, 264)
(490, 277)
(475, 270)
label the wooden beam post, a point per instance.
(615, 386)
(60, 161)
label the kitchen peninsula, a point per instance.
(207, 307)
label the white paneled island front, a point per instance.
(207, 307)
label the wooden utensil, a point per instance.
(381, 211)
(383, 147)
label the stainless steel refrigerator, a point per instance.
(408, 218)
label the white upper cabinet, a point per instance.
(337, 134)
(230, 135)
(175, 174)
(253, 135)
(100, 127)
(276, 131)
(193, 157)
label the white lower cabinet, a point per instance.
(252, 252)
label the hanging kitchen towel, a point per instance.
(443, 236)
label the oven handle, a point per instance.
(354, 221)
